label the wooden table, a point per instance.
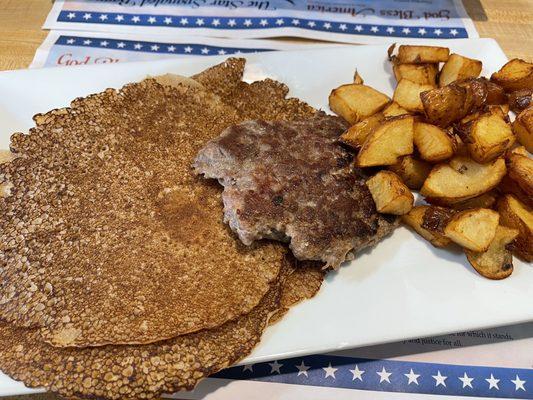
(510, 22)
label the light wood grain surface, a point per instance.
(510, 22)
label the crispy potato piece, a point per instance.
(394, 110)
(433, 143)
(473, 229)
(458, 67)
(423, 74)
(355, 102)
(445, 105)
(515, 75)
(422, 54)
(357, 78)
(515, 214)
(407, 95)
(390, 194)
(520, 150)
(496, 262)
(462, 179)
(415, 219)
(392, 139)
(523, 128)
(486, 200)
(520, 170)
(509, 186)
(412, 171)
(519, 100)
(356, 135)
(489, 137)
(436, 218)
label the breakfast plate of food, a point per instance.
(164, 220)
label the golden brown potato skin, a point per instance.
(515, 214)
(519, 100)
(517, 74)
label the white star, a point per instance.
(359, 28)
(263, 22)
(121, 45)
(439, 379)
(137, 46)
(374, 29)
(311, 24)
(295, 22)
(519, 384)
(384, 375)
(422, 31)
(412, 377)
(216, 22)
(171, 48)
(232, 22)
(188, 49)
(103, 17)
(104, 43)
(238, 52)
(87, 16)
(467, 381)
(221, 52)
(70, 41)
(71, 15)
(167, 20)
(343, 27)
(437, 32)
(302, 369)
(88, 41)
(247, 22)
(154, 47)
(357, 373)
(249, 367)
(119, 18)
(199, 21)
(205, 50)
(280, 21)
(330, 371)
(275, 366)
(493, 382)
(184, 21)
(152, 20)
(390, 29)
(135, 19)
(327, 25)
(454, 32)
(406, 31)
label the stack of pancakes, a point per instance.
(118, 276)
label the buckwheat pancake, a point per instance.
(109, 237)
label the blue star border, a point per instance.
(390, 376)
(250, 23)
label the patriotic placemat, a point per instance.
(363, 21)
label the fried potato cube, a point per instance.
(523, 128)
(496, 262)
(489, 137)
(459, 67)
(390, 194)
(392, 139)
(520, 170)
(516, 214)
(356, 135)
(394, 110)
(357, 78)
(486, 200)
(519, 100)
(407, 95)
(433, 143)
(422, 54)
(412, 171)
(423, 74)
(445, 105)
(461, 179)
(415, 218)
(354, 102)
(473, 229)
(517, 74)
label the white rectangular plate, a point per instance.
(403, 288)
